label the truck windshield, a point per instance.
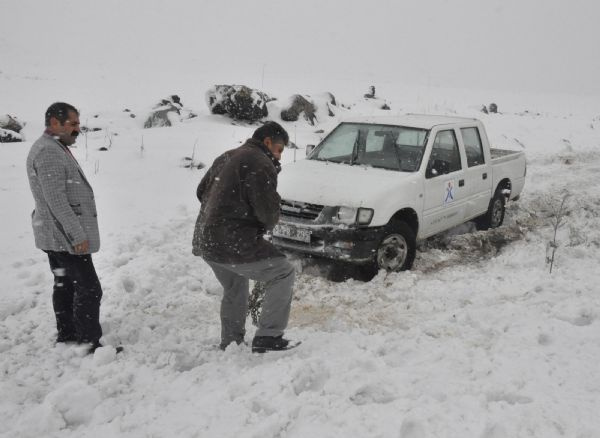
(382, 146)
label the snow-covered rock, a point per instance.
(11, 123)
(315, 109)
(168, 112)
(299, 105)
(8, 136)
(376, 101)
(238, 102)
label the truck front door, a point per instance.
(445, 194)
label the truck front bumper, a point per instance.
(353, 245)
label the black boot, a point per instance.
(97, 344)
(262, 344)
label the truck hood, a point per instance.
(333, 184)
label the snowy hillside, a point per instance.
(478, 340)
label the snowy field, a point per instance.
(478, 340)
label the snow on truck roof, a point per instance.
(423, 121)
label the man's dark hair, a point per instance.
(60, 111)
(273, 130)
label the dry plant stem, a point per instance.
(193, 155)
(557, 223)
(108, 137)
(85, 134)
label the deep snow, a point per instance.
(479, 340)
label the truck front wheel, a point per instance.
(494, 217)
(397, 249)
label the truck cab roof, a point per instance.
(422, 121)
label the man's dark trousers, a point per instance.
(76, 297)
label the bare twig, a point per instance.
(558, 219)
(519, 142)
(85, 135)
(193, 155)
(108, 136)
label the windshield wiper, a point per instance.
(375, 166)
(354, 155)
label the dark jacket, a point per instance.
(239, 203)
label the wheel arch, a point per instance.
(504, 184)
(409, 216)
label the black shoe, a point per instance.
(262, 344)
(96, 345)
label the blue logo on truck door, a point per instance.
(449, 193)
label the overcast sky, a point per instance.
(526, 45)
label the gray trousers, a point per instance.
(278, 275)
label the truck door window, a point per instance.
(445, 156)
(473, 147)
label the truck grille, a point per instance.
(300, 210)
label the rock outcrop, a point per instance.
(167, 112)
(239, 102)
(10, 128)
(8, 136)
(299, 105)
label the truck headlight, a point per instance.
(353, 216)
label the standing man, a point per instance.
(239, 204)
(65, 226)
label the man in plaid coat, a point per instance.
(65, 226)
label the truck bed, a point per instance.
(496, 154)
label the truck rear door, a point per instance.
(478, 172)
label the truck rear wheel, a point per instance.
(397, 249)
(494, 217)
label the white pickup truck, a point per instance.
(376, 185)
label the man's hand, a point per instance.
(82, 248)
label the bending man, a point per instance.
(239, 204)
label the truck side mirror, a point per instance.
(309, 149)
(430, 172)
(437, 167)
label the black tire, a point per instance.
(397, 248)
(494, 216)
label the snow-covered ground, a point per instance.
(478, 340)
